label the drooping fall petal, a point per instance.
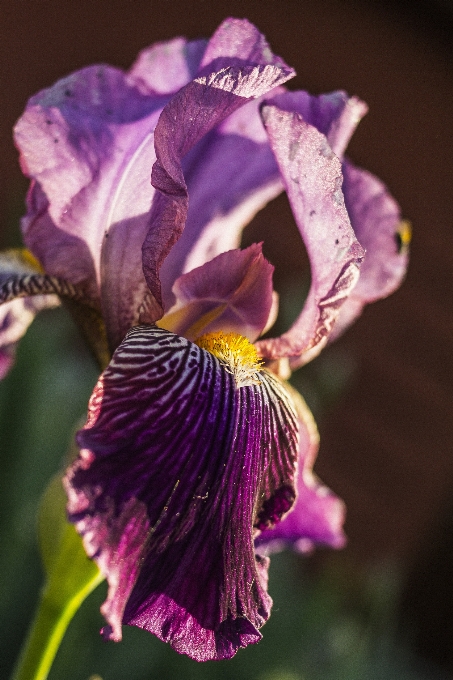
(21, 285)
(313, 181)
(231, 293)
(318, 515)
(177, 465)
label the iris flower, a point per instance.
(196, 458)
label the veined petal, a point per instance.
(231, 293)
(228, 80)
(376, 219)
(25, 290)
(177, 466)
(20, 278)
(317, 517)
(313, 180)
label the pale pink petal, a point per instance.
(231, 293)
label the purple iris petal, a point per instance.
(231, 293)
(226, 82)
(335, 115)
(88, 144)
(16, 267)
(172, 442)
(313, 180)
(317, 516)
(230, 174)
(376, 218)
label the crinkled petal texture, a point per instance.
(177, 466)
(313, 179)
(200, 106)
(335, 115)
(318, 515)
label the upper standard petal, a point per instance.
(221, 89)
(87, 142)
(313, 179)
(336, 115)
(376, 220)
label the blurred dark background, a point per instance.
(382, 394)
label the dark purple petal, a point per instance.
(177, 466)
(335, 115)
(376, 219)
(317, 517)
(313, 179)
(231, 293)
(221, 88)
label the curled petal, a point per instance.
(313, 180)
(177, 465)
(376, 220)
(335, 115)
(202, 105)
(231, 293)
(231, 174)
(235, 41)
(317, 517)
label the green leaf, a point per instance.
(71, 576)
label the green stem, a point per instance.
(48, 629)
